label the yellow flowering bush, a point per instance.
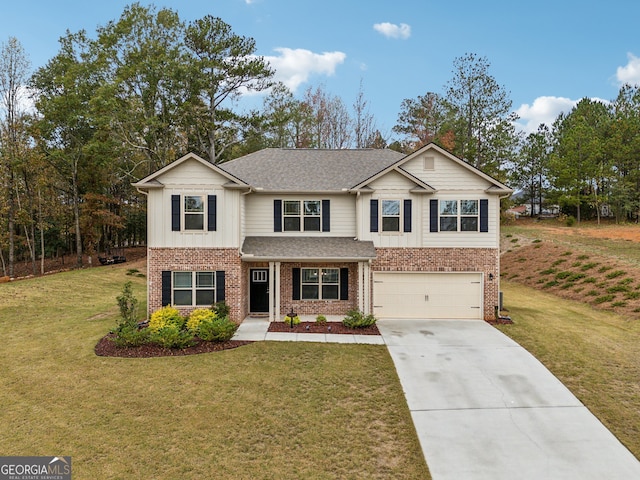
(166, 316)
(198, 316)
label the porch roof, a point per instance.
(298, 249)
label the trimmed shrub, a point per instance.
(198, 316)
(217, 329)
(321, 319)
(288, 320)
(356, 319)
(172, 336)
(131, 336)
(164, 317)
(221, 309)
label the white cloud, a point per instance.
(294, 66)
(391, 30)
(543, 110)
(630, 73)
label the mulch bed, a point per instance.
(329, 327)
(107, 348)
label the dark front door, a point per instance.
(259, 290)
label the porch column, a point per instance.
(276, 290)
(364, 287)
(271, 290)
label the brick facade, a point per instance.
(316, 307)
(199, 259)
(485, 260)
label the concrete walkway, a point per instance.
(483, 407)
(255, 329)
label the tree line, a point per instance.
(147, 88)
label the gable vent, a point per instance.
(429, 163)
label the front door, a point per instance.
(259, 290)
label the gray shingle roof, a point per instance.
(307, 248)
(295, 170)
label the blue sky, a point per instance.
(547, 54)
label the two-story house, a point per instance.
(324, 232)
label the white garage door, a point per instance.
(427, 295)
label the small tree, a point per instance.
(128, 305)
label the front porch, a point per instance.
(311, 275)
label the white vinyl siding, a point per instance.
(193, 179)
(462, 239)
(259, 215)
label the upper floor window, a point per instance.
(302, 215)
(390, 215)
(459, 215)
(193, 212)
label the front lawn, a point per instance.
(265, 410)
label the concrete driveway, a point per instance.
(484, 408)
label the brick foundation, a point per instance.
(485, 260)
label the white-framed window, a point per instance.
(459, 215)
(302, 215)
(320, 283)
(390, 215)
(194, 212)
(193, 289)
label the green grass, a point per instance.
(265, 410)
(593, 352)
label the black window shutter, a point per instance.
(326, 216)
(295, 275)
(433, 215)
(175, 213)
(374, 215)
(277, 215)
(219, 285)
(166, 288)
(344, 284)
(212, 205)
(484, 215)
(407, 216)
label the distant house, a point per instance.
(324, 232)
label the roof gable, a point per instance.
(154, 180)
